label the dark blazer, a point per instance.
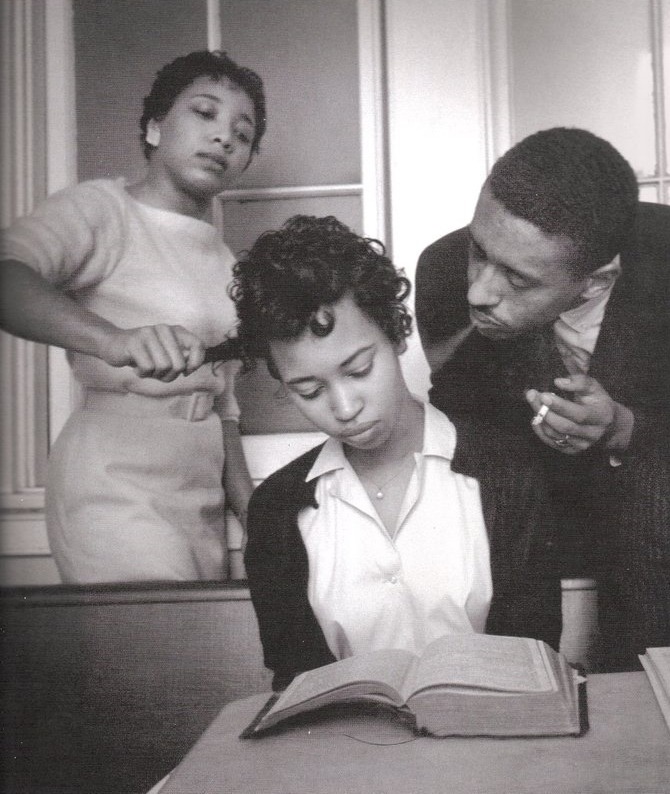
(526, 595)
(487, 379)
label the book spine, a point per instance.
(250, 731)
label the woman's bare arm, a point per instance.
(32, 308)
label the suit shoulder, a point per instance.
(441, 287)
(453, 246)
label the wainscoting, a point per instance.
(106, 688)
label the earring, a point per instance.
(153, 136)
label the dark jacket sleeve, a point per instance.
(522, 530)
(277, 570)
(633, 358)
(528, 600)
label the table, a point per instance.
(627, 750)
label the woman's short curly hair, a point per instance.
(569, 182)
(177, 75)
(289, 275)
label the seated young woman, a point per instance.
(404, 525)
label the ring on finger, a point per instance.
(563, 441)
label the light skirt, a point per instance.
(133, 498)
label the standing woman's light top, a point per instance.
(132, 280)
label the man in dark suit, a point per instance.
(549, 316)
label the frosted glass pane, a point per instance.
(585, 64)
(649, 193)
(243, 221)
(119, 47)
(307, 54)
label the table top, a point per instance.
(627, 750)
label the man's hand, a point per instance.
(572, 426)
(155, 351)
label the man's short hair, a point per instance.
(570, 182)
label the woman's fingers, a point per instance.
(158, 351)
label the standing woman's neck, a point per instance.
(164, 195)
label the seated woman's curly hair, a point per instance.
(289, 275)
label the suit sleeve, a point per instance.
(277, 570)
(522, 530)
(533, 603)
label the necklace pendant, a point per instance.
(380, 494)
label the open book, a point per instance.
(465, 684)
(656, 662)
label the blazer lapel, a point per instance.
(612, 362)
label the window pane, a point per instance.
(307, 54)
(649, 193)
(23, 414)
(243, 221)
(119, 48)
(585, 64)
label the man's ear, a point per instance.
(153, 136)
(601, 279)
(401, 347)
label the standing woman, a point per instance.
(132, 280)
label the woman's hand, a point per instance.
(155, 351)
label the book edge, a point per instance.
(250, 731)
(661, 665)
(582, 700)
(662, 697)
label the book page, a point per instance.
(660, 658)
(386, 667)
(506, 664)
(654, 674)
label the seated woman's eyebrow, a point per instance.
(302, 379)
(347, 362)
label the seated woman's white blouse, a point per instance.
(370, 591)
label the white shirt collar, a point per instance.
(439, 439)
(589, 314)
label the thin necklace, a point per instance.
(379, 494)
